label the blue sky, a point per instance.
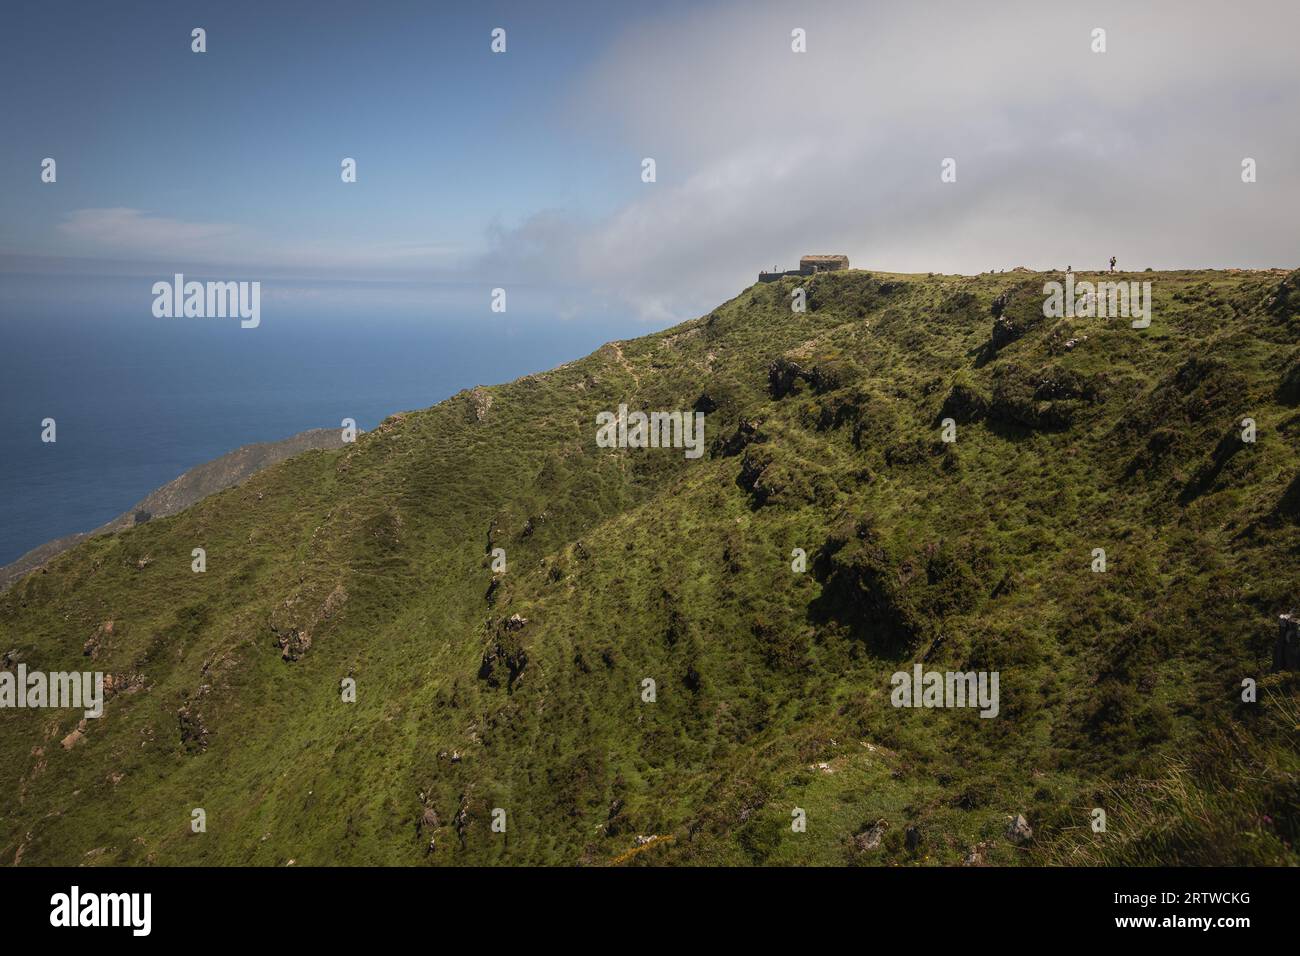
(524, 168)
(448, 137)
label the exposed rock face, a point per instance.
(746, 433)
(533, 523)
(977, 856)
(751, 468)
(480, 402)
(97, 640)
(869, 839)
(1019, 830)
(1015, 312)
(301, 614)
(504, 658)
(122, 684)
(782, 375)
(705, 403)
(76, 736)
(293, 643)
(194, 735)
(770, 480)
(828, 376)
(463, 818)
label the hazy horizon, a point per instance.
(140, 400)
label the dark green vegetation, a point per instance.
(1118, 690)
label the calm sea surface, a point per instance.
(139, 400)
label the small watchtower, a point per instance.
(811, 264)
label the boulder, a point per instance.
(912, 838)
(75, 737)
(1019, 830)
(869, 839)
(782, 376)
(976, 856)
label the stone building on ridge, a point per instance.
(809, 265)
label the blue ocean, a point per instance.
(138, 400)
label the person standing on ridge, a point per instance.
(1112, 263)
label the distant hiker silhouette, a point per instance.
(1112, 263)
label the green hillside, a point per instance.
(1118, 690)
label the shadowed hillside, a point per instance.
(524, 690)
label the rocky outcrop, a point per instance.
(746, 433)
(782, 376)
(480, 402)
(505, 658)
(76, 737)
(977, 855)
(770, 480)
(1015, 312)
(1019, 830)
(95, 643)
(296, 619)
(869, 839)
(194, 734)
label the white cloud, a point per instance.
(134, 232)
(141, 236)
(1064, 156)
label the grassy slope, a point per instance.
(1118, 690)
